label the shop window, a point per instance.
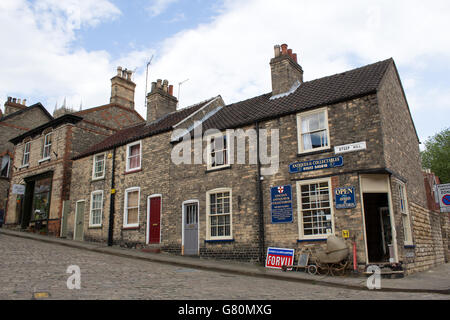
(133, 156)
(47, 146)
(219, 214)
(41, 199)
(313, 133)
(96, 209)
(98, 170)
(131, 214)
(315, 209)
(218, 152)
(26, 154)
(6, 162)
(403, 204)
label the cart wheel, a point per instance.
(312, 269)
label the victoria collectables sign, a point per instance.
(316, 164)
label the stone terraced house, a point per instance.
(17, 119)
(42, 163)
(337, 155)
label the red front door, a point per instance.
(155, 219)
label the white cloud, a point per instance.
(157, 7)
(37, 56)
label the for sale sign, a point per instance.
(279, 257)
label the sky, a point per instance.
(53, 51)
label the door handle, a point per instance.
(155, 224)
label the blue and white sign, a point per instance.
(278, 257)
(316, 164)
(281, 204)
(345, 197)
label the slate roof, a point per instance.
(26, 109)
(320, 92)
(143, 130)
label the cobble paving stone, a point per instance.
(28, 266)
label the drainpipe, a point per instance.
(260, 200)
(112, 201)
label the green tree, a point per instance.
(436, 155)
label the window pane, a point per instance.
(133, 198)
(132, 216)
(316, 212)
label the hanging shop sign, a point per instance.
(278, 257)
(316, 164)
(345, 197)
(281, 204)
(358, 146)
(443, 191)
(18, 189)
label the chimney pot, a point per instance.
(9, 99)
(294, 56)
(129, 73)
(284, 49)
(119, 71)
(24, 102)
(19, 101)
(14, 100)
(153, 87)
(277, 50)
(171, 90)
(290, 52)
(158, 83)
(165, 84)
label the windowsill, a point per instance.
(409, 246)
(219, 240)
(131, 228)
(310, 153)
(311, 240)
(98, 179)
(218, 168)
(133, 171)
(95, 227)
(44, 160)
(24, 166)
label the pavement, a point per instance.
(435, 280)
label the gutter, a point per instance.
(112, 202)
(260, 201)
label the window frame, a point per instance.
(91, 224)
(125, 207)
(405, 214)
(127, 168)
(8, 166)
(49, 147)
(301, 115)
(209, 151)
(94, 166)
(208, 215)
(26, 154)
(301, 234)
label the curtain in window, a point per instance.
(314, 131)
(5, 166)
(134, 157)
(132, 207)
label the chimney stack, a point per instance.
(285, 70)
(13, 105)
(122, 88)
(160, 100)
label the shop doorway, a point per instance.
(378, 227)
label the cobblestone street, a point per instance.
(28, 266)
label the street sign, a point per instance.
(281, 204)
(358, 146)
(279, 257)
(444, 196)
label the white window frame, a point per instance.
(26, 154)
(94, 166)
(301, 148)
(208, 215)
(125, 208)
(301, 234)
(91, 224)
(8, 166)
(49, 145)
(403, 199)
(128, 169)
(208, 150)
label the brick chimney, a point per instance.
(122, 88)
(285, 70)
(160, 100)
(13, 105)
